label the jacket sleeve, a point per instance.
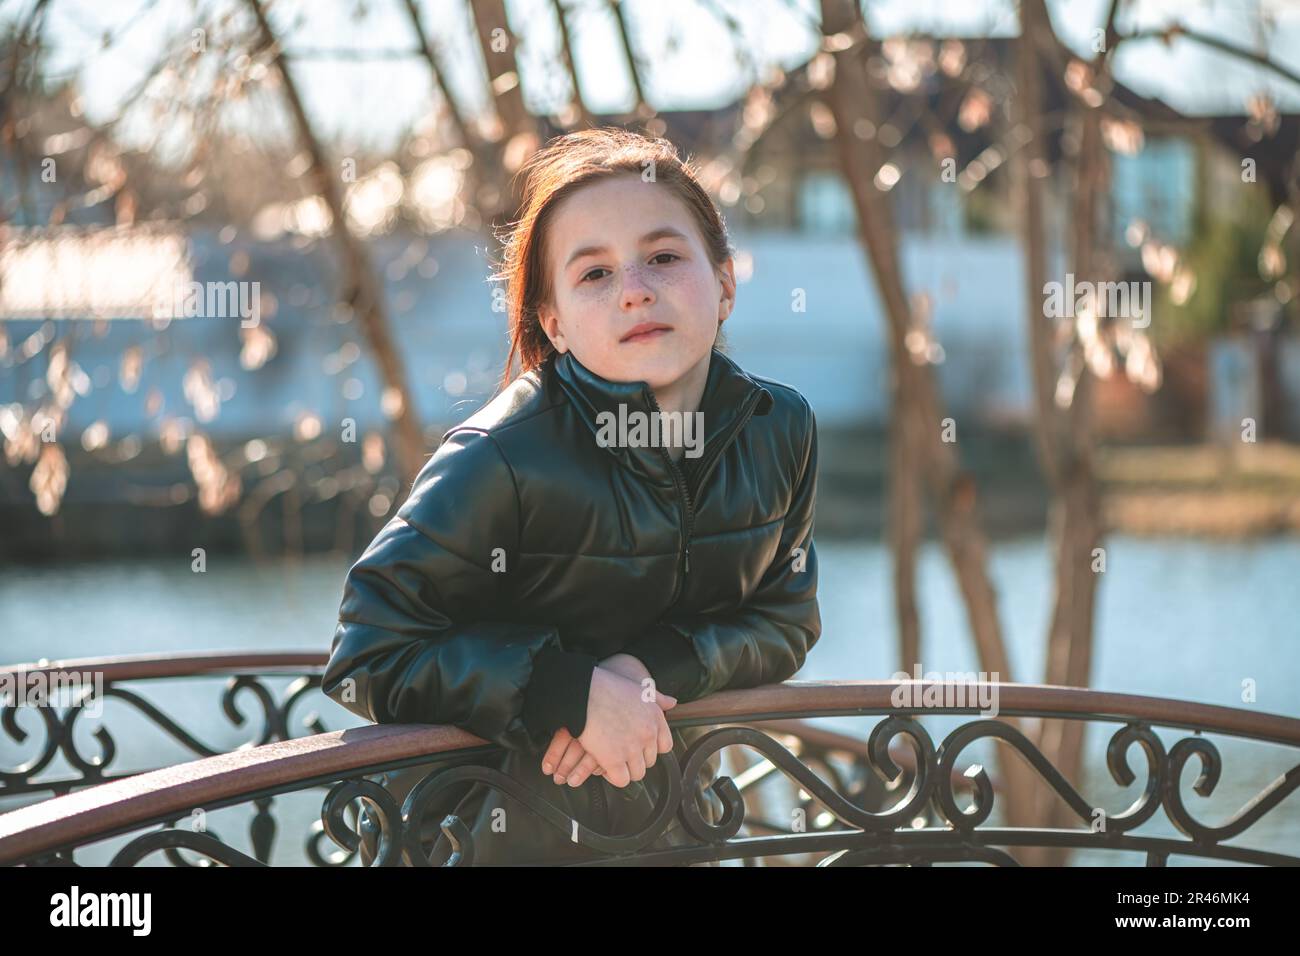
(422, 635)
(765, 640)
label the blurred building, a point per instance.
(807, 312)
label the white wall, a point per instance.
(836, 351)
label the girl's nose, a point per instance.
(636, 290)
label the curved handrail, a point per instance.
(94, 679)
(1026, 699)
(121, 805)
(185, 664)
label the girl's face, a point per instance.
(635, 295)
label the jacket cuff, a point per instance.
(556, 695)
(670, 658)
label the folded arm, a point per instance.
(415, 642)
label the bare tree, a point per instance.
(513, 130)
(1064, 426)
(364, 289)
(571, 63)
(924, 455)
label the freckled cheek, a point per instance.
(691, 288)
(587, 306)
(588, 311)
(591, 294)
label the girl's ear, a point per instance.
(727, 301)
(550, 323)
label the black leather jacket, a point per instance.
(526, 539)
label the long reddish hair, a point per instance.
(561, 167)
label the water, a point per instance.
(1189, 619)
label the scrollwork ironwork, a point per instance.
(858, 834)
(91, 769)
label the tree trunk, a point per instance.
(515, 137)
(905, 523)
(851, 99)
(1069, 659)
(571, 64)
(363, 290)
(1064, 438)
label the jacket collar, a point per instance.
(730, 396)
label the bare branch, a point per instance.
(640, 108)
(467, 138)
(1169, 33)
(570, 63)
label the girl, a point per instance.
(625, 526)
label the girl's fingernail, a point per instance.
(546, 768)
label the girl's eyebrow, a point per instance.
(663, 232)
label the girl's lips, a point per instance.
(646, 336)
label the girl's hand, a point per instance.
(564, 756)
(625, 665)
(625, 732)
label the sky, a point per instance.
(372, 101)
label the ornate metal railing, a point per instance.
(875, 806)
(126, 679)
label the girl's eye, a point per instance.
(672, 256)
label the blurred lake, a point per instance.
(1184, 618)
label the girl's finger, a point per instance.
(572, 754)
(586, 766)
(636, 766)
(559, 743)
(665, 735)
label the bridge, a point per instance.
(894, 795)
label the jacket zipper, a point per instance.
(688, 509)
